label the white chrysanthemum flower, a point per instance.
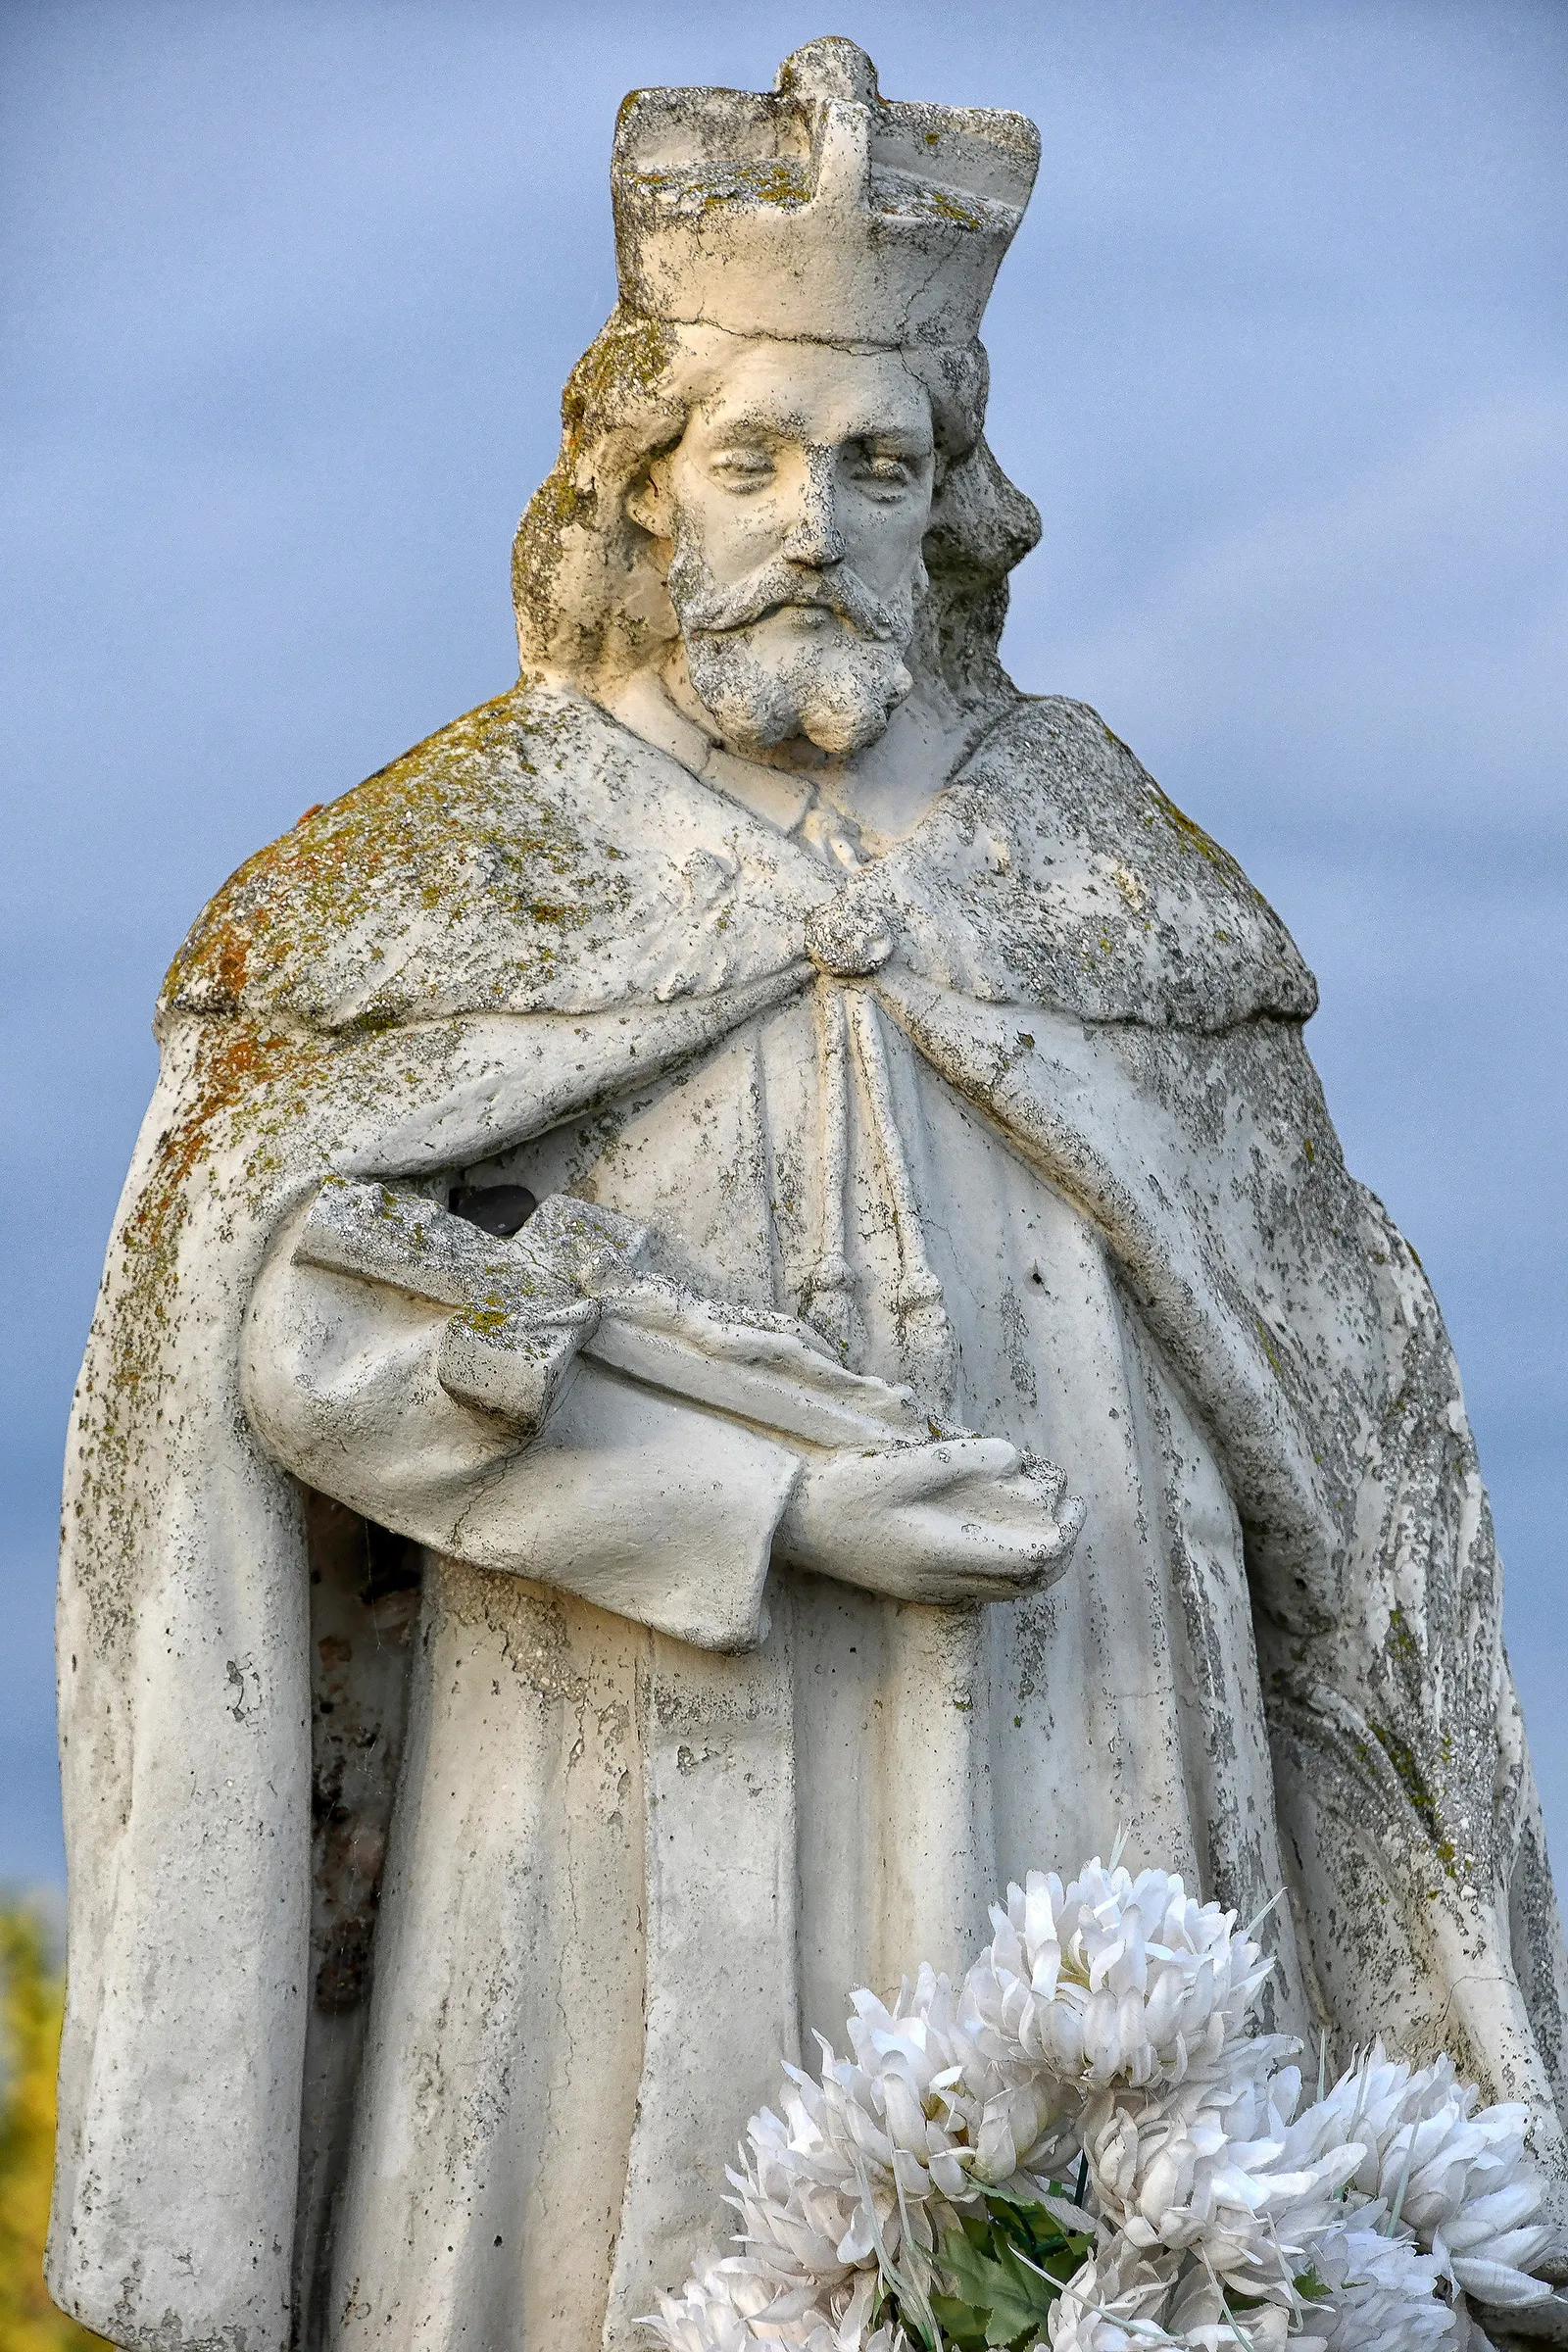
(1112, 2304)
(698, 2320)
(1209, 2166)
(1382, 2294)
(1457, 2174)
(968, 2121)
(846, 2178)
(862, 2161)
(1112, 1979)
(731, 2308)
(795, 2197)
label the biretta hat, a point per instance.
(820, 208)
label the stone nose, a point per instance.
(814, 537)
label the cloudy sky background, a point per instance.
(1281, 351)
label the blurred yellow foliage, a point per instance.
(32, 1998)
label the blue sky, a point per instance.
(1281, 352)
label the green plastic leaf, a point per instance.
(1008, 2296)
(1001, 2271)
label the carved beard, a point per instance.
(838, 684)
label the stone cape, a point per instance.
(511, 928)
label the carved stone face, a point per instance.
(793, 507)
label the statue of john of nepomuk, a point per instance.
(737, 1317)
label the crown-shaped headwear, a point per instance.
(819, 210)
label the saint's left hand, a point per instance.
(964, 1519)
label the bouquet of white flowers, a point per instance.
(1084, 2146)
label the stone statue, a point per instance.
(563, 1573)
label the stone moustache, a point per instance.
(563, 1571)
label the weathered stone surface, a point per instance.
(563, 1575)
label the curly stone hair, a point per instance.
(590, 601)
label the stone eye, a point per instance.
(886, 466)
(744, 466)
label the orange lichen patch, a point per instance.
(232, 1062)
(232, 956)
(235, 1064)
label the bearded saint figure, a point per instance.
(564, 1575)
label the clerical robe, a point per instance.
(1017, 1114)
